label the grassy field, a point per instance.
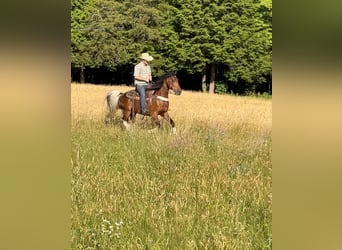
(206, 187)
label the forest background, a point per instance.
(220, 46)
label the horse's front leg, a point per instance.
(169, 119)
(155, 120)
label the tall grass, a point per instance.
(207, 187)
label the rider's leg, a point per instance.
(142, 91)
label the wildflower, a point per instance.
(106, 227)
(119, 223)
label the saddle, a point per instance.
(134, 94)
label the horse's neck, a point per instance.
(163, 91)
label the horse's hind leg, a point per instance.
(110, 116)
(127, 116)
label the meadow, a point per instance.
(209, 186)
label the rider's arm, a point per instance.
(142, 78)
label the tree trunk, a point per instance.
(204, 80)
(212, 78)
(82, 80)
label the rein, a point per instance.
(157, 86)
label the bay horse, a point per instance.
(157, 101)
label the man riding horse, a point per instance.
(142, 76)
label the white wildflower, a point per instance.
(106, 227)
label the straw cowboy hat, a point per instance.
(146, 57)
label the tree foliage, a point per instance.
(81, 55)
(233, 37)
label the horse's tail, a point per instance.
(112, 100)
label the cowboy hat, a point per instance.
(146, 57)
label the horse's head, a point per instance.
(172, 83)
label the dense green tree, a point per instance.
(250, 52)
(211, 33)
(232, 39)
(107, 28)
(110, 34)
(81, 55)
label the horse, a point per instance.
(157, 100)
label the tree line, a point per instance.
(212, 44)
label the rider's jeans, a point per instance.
(142, 91)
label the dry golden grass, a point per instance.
(88, 102)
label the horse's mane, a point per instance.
(159, 82)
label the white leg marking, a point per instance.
(127, 125)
